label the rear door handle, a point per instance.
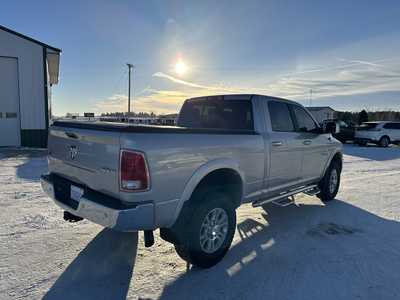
(307, 142)
(277, 143)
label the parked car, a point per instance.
(346, 130)
(382, 133)
(188, 180)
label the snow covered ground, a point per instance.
(348, 249)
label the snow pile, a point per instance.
(348, 249)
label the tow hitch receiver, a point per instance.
(148, 238)
(71, 218)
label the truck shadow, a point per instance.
(372, 152)
(33, 164)
(103, 270)
(337, 251)
(32, 168)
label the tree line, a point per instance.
(131, 114)
(365, 116)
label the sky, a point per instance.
(346, 52)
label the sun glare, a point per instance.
(180, 67)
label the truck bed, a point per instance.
(134, 128)
(172, 153)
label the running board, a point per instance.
(313, 192)
(284, 201)
(275, 199)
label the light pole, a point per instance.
(130, 67)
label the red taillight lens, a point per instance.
(133, 170)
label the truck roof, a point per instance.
(241, 97)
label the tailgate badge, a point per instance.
(73, 152)
(107, 170)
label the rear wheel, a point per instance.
(208, 231)
(329, 184)
(384, 142)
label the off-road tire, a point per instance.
(189, 247)
(327, 193)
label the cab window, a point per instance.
(281, 119)
(304, 121)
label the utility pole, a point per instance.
(310, 97)
(130, 67)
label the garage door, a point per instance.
(9, 102)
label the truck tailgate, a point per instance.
(88, 157)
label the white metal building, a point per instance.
(28, 69)
(321, 113)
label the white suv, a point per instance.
(381, 133)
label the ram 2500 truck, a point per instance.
(189, 180)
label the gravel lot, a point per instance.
(348, 249)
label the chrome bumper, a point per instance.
(140, 217)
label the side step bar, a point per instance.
(313, 191)
(284, 201)
(275, 199)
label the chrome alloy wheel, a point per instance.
(213, 230)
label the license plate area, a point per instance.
(62, 191)
(76, 193)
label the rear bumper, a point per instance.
(92, 206)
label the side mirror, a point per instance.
(331, 127)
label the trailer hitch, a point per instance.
(71, 218)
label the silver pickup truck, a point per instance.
(188, 180)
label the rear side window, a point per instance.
(216, 113)
(304, 121)
(392, 126)
(388, 126)
(280, 116)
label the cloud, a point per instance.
(203, 89)
(149, 100)
(361, 62)
(353, 78)
(179, 81)
(113, 103)
(194, 85)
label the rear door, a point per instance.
(314, 144)
(392, 130)
(285, 151)
(396, 131)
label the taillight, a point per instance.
(134, 175)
